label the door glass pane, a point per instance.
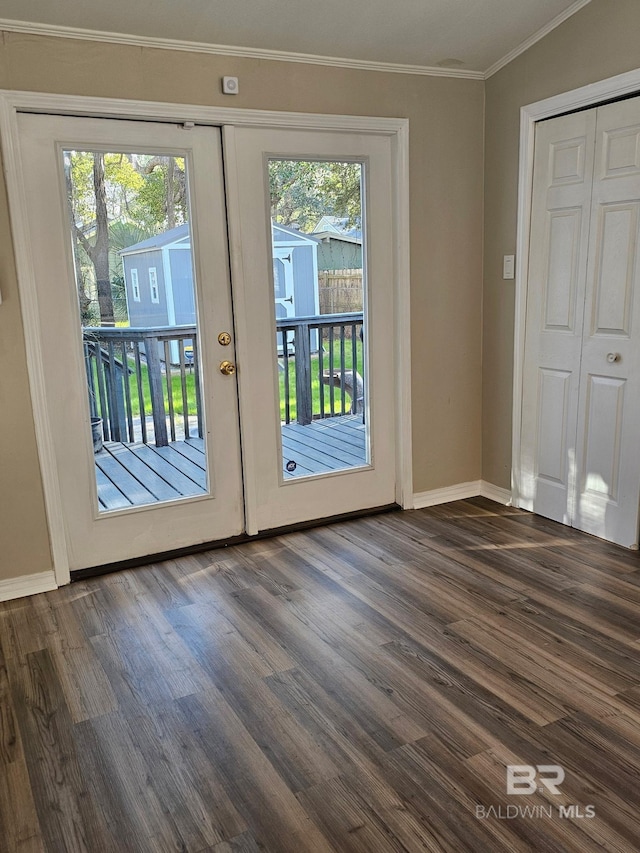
(318, 251)
(134, 277)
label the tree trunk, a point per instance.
(170, 194)
(100, 249)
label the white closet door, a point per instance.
(608, 452)
(563, 169)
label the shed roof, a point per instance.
(295, 234)
(173, 235)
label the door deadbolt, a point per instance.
(227, 368)
(224, 339)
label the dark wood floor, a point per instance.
(358, 687)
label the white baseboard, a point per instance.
(27, 585)
(495, 493)
(446, 495)
(461, 491)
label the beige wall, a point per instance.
(446, 139)
(600, 41)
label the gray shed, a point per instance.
(159, 277)
(295, 272)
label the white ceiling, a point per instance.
(425, 33)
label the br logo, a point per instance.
(524, 778)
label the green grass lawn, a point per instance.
(315, 379)
(176, 390)
(176, 384)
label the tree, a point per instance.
(144, 193)
(162, 201)
(302, 191)
(98, 250)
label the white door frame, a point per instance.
(12, 102)
(585, 96)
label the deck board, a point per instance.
(162, 489)
(109, 497)
(331, 444)
(138, 475)
(196, 473)
(141, 474)
(163, 467)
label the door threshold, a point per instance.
(135, 562)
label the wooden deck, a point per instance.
(140, 474)
(325, 445)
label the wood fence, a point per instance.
(340, 291)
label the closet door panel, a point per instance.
(563, 173)
(608, 486)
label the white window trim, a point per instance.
(153, 285)
(135, 284)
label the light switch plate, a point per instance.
(509, 266)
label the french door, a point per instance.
(157, 361)
(581, 402)
(339, 450)
(142, 493)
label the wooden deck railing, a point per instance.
(327, 351)
(137, 374)
(130, 373)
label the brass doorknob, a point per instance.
(227, 368)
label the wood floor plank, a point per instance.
(274, 815)
(86, 689)
(292, 752)
(244, 843)
(19, 823)
(358, 687)
(122, 782)
(376, 712)
(69, 817)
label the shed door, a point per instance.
(283, 282)
(159, 468)
(581, 402)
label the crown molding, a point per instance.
(28, 28)
(536, 37)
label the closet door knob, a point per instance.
(612, 357)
